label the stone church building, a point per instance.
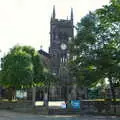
(61, 33)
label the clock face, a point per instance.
(63, 46)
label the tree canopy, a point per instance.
(95, 50)
(21, 68)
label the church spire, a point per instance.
(72, 14)
(53, 12)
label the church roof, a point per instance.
(42, 52)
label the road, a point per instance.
(7, 115)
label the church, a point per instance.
(61, 33)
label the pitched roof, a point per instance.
(42, 52)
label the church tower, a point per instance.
(61, 31)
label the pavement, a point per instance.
(8, 115)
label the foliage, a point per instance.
(96, 49)
(109, 53)
(21, 68)
(82, 48)
(47, 77)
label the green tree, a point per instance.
(96, 49)
(109, 54)
(81, 50)
(21, 68)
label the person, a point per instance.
(63, 105)
(46, 99)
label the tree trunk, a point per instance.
(33, 96)
(11, 92)
(86, 93)
(113, 93)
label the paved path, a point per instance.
(7, 115)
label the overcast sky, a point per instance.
(27, 22)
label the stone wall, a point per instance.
(99, 106)
(14, 105)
